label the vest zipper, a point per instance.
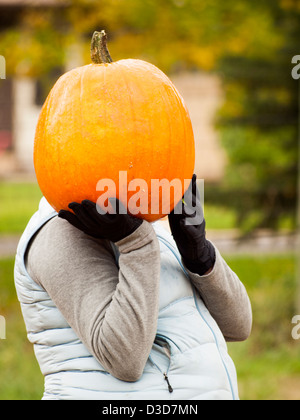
(169, 385)
(165, 375)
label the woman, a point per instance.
(118, 309)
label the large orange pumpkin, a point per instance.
(101, 119)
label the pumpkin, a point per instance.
(107, 118)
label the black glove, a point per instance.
(188, 229)
(113, 227)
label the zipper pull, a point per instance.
(169, 386)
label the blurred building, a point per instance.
(203, 96)
(21, 99)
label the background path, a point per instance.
(227, 241)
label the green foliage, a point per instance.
(259, 125)
(34, 46)
(173, 34)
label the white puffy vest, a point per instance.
(189, 348)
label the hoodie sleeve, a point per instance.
(113, 310)
(226, 299)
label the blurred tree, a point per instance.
(258, 124)
(32, 43)
(173, 34)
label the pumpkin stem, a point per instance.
(99, 51)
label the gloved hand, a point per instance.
(188, 229)
(113, 227)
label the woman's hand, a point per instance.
(113, 227)
(187, 225)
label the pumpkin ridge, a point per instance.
(171, 138)
(183, 113)
(82, 75)
(45, 134)
(131, 104)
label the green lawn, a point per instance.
(18, 201)
(20, 374)
(268, 364)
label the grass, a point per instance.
(268, 364)
(18, 201)
(20, 374)
(219, 218)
